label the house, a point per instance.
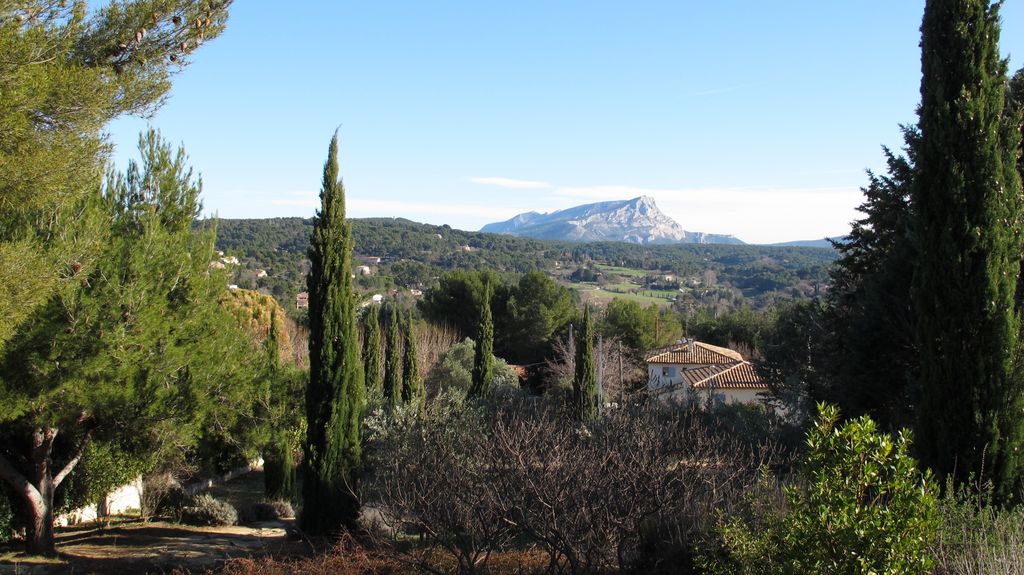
(302, 300)
(363, 270)
(693, 370)
(229, 260)
(369, 260)
(377, 298)
(261, 273)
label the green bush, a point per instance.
(207, 511)
(861, 507)
(454, 371)
(104, 467)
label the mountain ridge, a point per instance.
(637, 220)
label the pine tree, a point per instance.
(967, 198)
(392, 357)
(412, 385)
(68, 70)
(584, 384)
(335, 394)
(483, 353)
(140, 352)
(371, 349)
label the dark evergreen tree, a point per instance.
(1015, 112)
(412, 385)
(586, 397)
(483, 353)
(335, 394)
(392, 356)
(867, 340)
(967, 202)
(371, 348)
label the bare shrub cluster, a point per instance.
(476, 479)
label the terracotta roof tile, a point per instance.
(695, 353)
(740, 375)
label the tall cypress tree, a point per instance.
(371, 348)
(278, 466)
(393, 358)
(412, 385)
(584, 384)
(483, 353)
(335, 393)
(967, 197)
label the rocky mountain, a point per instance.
(637, 221)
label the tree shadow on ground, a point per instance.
(135, 547)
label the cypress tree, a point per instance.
(393, 358)
(584, 384)
(371, 349)
(278, 466)
(412, 386)
(967, 197)
(483, 353)
(335, 393)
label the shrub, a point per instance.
(454, 371)
(862, 507)
(267, 511)
(207, 511)
(474, 478)
(976, 537)
(163, 494)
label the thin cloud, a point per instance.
(360, 207)
(511, 183)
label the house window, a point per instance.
(664, 371)
(669, 371)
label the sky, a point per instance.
(744, 117)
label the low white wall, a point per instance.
(129, 497)
(124, 498)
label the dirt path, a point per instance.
(134, 547)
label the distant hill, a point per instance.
(414, 255)
(637, 221)
(823, 243)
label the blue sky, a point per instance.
(745, 117)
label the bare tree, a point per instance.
(469, 479)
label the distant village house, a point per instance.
(302, 300)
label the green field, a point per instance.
(590, 293)
(623, 271)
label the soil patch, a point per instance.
(136, 547)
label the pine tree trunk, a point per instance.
(39, 536)
(39, 533)
(36, 488)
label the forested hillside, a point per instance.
(413, 255)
